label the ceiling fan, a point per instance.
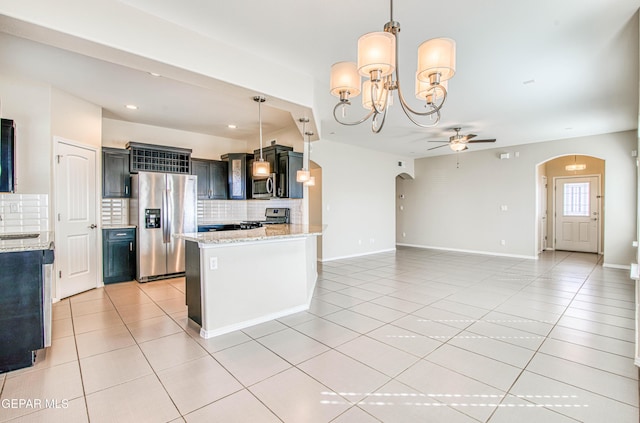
(459, 142)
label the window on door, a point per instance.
(576, 199)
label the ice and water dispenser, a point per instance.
(151, 218)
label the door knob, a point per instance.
(93, 226)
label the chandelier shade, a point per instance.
(368, 94)
(437, 57)
(426, 91)
(377, 53)
(345, 79)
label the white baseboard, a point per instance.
(247, 323)
(617, 266)
(457, 250)
(357, 255)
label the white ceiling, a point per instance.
(581, 55)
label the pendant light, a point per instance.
(312, 179)
(575, 166)
(261, 169)
(303, 174)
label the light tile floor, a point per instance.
(411, 336)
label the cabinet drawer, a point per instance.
(120, 234)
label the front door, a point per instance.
(577, 213)
(76, 239)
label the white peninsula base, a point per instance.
(237, 284)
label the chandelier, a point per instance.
(378, 63)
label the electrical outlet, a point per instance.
(13, 207)
(503, 242)
(213, 263)
(372, 240)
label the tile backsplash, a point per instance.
(115, 211)
(212, 211)
(24, 213)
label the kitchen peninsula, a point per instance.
(237, 279)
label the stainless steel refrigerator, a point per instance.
(161, 205)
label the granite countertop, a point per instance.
(118, 226)
(267, 232)
(44, 241)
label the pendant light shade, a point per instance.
(376, 52)
(437, 56)
(575, 166)
(311, 182)
(303, 175)
(345, 79)
(261, 168)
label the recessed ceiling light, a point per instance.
(154, 74)
(131, 107)
(231, 126)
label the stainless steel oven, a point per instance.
(264, 188)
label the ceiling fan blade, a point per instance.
(433, 148)
(493, 140)
(467, 137)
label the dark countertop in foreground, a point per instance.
(267, 232)
(44, 241)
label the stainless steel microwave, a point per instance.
(264, 188)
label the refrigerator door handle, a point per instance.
(165, 217)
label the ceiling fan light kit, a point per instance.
(378, 61)
(459, 142)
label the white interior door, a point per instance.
(76, 239)
(577, 215)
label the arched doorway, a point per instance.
(400, 196)
(570, 213)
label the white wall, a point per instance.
(460, 208)
(358, 198)
(28, 103)
(75, 119)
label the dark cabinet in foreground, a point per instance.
(24, 307)
(118, 255)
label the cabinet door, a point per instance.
(200, 168)
(116, 180)
(289, 164)
(119, 255)
(218, 174)
(239, 175)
